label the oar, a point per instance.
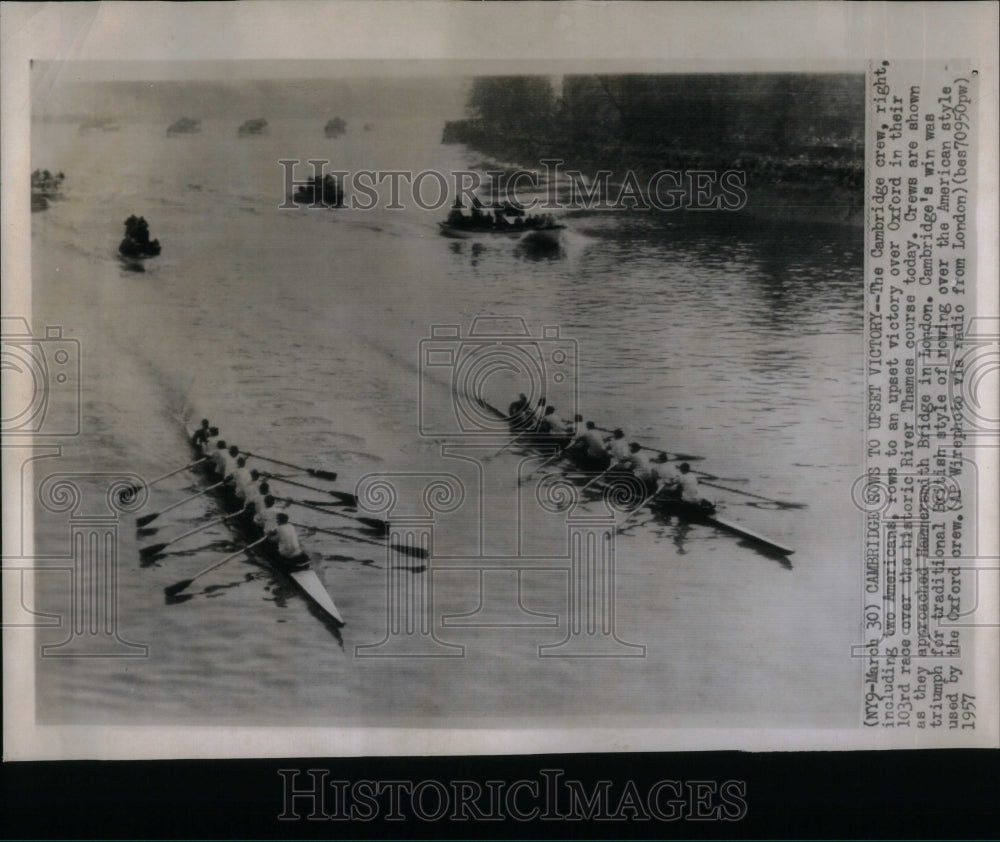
(511, 443)
(177, 587)
(153, 549)
(537, 468)
(342, 496)
(313, 472)
(135, 488)
(370, 522)
(782, 503)
(142, 521)
(680, 457)
(416, 552)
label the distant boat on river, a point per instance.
(256, 126)
(185, 125)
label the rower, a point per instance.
(690, 493)
(258, 495)
(663, 474)
(242, 478)
(551, 424)
(218, 456)
(618, 448)
(591, 443)
(228, 467)
(639, 463)
(289, 547)
(267, 517)
(200, 436)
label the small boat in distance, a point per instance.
(137, 246)
(185, 125)
(320, 191)
(102, 124)
(505, 220)
(255, 126)
(335, 127)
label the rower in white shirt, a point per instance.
(243, 479)
(267, 517)
(551, 424)
(589, 443)
(618, 448)
(639, 462)
(228, 464)
(257, 496)
(219, 453)
(690, 492)
(663, 473)
(288, 542)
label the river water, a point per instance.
(299, 332)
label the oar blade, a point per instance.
(142, 521)
(177, 587)
(328, 475)
(374, 523)
(345, 498)
(152, 550)
(415, 552)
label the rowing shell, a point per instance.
(667, 506)
(305, 580)
(551, 231)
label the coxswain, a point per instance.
(517, 407)
(200, 437)
(208, 446)
(289, 547)
(618, 448)
(690, 493)
(267, 517)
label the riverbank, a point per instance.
(812, 185)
